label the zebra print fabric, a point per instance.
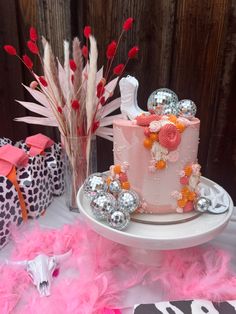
(187, 307)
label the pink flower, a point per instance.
(169, 136)
(184, 180)
(152, 169)
(179, 210)
(196, 169)
(34, 84)
(123, 177)
(155, 126)
(182, 173)
(188, 207)
(173, 156)
(177, 195)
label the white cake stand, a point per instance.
(146, 242)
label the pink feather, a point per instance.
(94, 279)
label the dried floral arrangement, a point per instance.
(74, 97)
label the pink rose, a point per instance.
(155, 126)
(169, 136)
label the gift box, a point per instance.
(53, 156)
(5, 141)
(34, 182)
(12, 205)
(54, 160)
(10, 209)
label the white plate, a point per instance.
(161, 237)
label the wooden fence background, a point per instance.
(186, 45)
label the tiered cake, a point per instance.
(160, 147)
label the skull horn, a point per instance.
(61, 257)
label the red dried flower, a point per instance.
(128, 24)
(10, 50)
(75, 104)
(87, 31)
(102, 100)
(59, 109)
(43, 81)
(33, 47)
(33, 34)
(119, 69)
(100, 89)
(85, 51)
(133, 52)
(111, 50)
(73, 65)
(28, 62)
(95, 126)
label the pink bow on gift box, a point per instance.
(11, 156)
(38, 143)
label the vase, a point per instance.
(78, 164)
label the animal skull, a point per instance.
(41, 269)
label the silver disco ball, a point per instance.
(159, 98)
(128, 201)
(93, 184)
(102, 204)
(118, 220)
(187, 108)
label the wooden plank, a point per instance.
(10, 74)
(197, 59)
(221, 162)
(152, 32)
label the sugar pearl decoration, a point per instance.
(202, 204)
(94, 184)
(159, 99)
(187, 108)
(102, 205)
(118, 219)
(128, 201)
(115, 187)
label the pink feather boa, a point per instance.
(94, 278)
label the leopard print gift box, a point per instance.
(54, 159)
(35, 186)
(10, 210)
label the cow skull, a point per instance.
(41, 269)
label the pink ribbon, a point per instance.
(11, 156)
(38, 143)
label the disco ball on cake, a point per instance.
(162, 99)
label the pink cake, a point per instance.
(162, 159)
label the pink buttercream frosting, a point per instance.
(156, 187)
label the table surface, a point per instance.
(58, 215)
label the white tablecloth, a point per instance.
(58, 215)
